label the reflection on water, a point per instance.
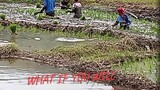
(14, 77)
(29, 41)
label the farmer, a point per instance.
(49, 6)
(76, 9)
(123, 19)
(64, 4)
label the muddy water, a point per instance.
(30, 41)
(14, 74)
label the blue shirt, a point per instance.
(49, 5)
(125, 19)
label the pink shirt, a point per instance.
(77, 5)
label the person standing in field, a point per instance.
(76, 9)
(123, 19)
(49, 6)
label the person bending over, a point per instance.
(49, 6)
(123, 19)
(76, 9)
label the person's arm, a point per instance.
(73, 9)
(117, 21)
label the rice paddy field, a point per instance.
(88, 46)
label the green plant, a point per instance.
(29, 1)
(38, 5)
(40, 17)
(13, 28)
(55, 22)
(3, 16)
(83, 18)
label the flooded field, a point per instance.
(38, 40)
(14, 75)
(63, 44)
(96, 18)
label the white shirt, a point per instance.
(77, 5)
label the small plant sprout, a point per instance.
(13, 28)
(3, 16)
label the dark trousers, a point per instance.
(124, 26)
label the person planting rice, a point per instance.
(49, 6)
(123, 19)
(76, 9)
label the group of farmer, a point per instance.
(49, 5)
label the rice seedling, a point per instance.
(40, 17)
(38, 5)
(13, 28)
(3, 16)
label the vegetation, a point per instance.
(40, 16)
(3, 16)
(8, 49)
(147, 67)
(83, 18)
(38, 5)
(13, 28)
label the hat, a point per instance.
(120, 10)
